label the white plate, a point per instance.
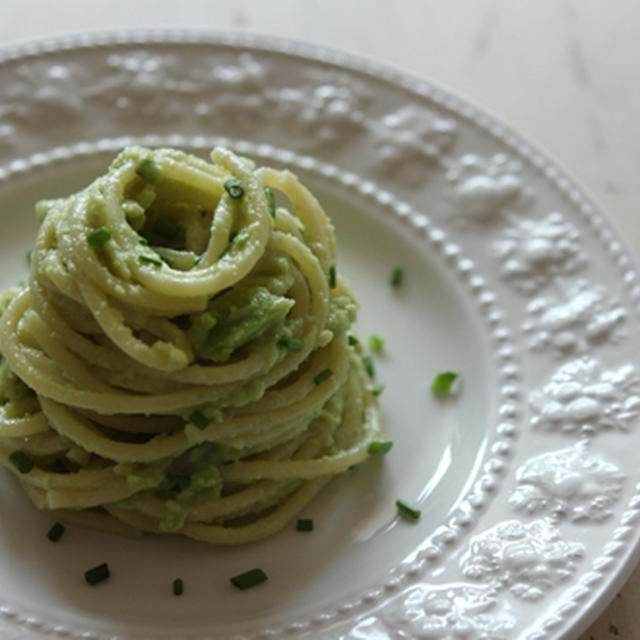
(527, 487)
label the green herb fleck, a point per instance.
(178, 587)
(407, 510)
(97, 574)
(332, 277)
(148, 260)
(368, 366)
(443, 383)
(397, 275)
(377, 389)
(271, 201)
(199, 420)
(322, 376)
(21, 461)
(234, 188)
(249, 579)
(168, 260)
(376, 343)
(291, 344)
(55, 533)
(29, 256)
(380, 448)
(304, 524)
(143, 240)
(98, 237)
(149, 171)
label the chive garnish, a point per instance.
(376, 343)
(291, 344)
(249, 579)
(143, 240)
(178, 587)
(97, 574)
(397, 274)
(148, 260)
(443, 383)
(377, 389)
(166, 229)
(322, 376)
(368, 366)
(29, 256)
(332, 277)
(304, 524)
(168, 260)
(407, 510)
(21, 461)
(234, 188)
(198, 419)
(98, 237)
(353, 341)
(380, 448)
(55, 533)
(149, 171)
(271, 201)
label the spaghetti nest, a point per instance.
(179, 360)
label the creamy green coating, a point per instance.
(235, 318)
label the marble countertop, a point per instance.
(563, 73)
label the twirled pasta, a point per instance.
(178, 361)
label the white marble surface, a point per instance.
(563, 73)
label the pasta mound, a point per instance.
(179, 361)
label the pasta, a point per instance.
(179, 361)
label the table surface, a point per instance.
(564, 73)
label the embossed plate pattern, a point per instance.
(528, 490)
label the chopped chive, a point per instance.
(291, 344)
(376, 343)
(29, 256)
(55, 533)
(397, 274)
(97, 574)
(148, 260)
(353, 341)
(443, 383)
(377, 389)
(98, 237)
(322, 376)
(332, 277)
(178, 587)
(380, 448)
(407, 510)
(168, 260)
(249, 579)
(234, 188)
(368, 366)
(166, 229)
(149, 171)
(197, 260)
(198, 419)
(304, 524)
(21, 461)
(143, 240)
(271, 201)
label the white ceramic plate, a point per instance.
(526, 482)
